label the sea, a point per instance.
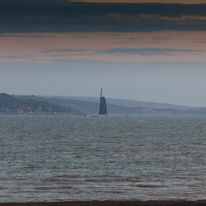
(47, 158)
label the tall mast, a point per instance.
(101, 93)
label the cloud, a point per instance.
(25, 16)
(80, 37)
(162, 38)
(201, 42)
(146, 51)
(10, 57)
(65, 50)
(120, 51)
(24, 36)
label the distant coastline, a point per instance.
(46, 113)
(36, 105)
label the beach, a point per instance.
(112, 203)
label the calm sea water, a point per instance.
(62, 158)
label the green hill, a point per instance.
(12, 105)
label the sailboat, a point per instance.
(102, 107)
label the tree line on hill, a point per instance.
(12, 105)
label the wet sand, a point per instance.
(112, 203)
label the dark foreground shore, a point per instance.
(112, 203)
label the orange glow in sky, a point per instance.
(90, 46)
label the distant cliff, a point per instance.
(12, 105)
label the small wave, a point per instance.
(115, 192)
(52, 188)
(149, 185)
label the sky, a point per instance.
(152, 50)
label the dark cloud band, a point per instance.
(66, 16)
(122, 51)
(146, 51)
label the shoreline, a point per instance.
(113, 203)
